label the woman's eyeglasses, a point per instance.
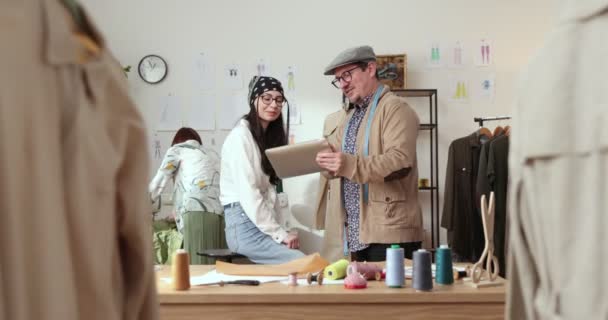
(267, 100)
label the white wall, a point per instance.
(308, 34)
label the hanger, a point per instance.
(507, 130)
(483, 131)
(498, 130)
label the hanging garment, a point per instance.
(460, 211)
(497, 173)
(483, 183)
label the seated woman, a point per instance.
(248, 181)
(195, 171)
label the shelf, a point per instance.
(415, 92)
(427, 126)
(427, 188)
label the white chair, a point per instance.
(302, 220)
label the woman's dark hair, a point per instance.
(184, 134)
(274, 136)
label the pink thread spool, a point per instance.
(355, 281)
(292, 279)
(369, 271)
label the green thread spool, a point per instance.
(443, 265)
(336, 270)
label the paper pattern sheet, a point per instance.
(169, 114)
(310, 263)
(213, 277)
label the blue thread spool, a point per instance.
(422, 274)
(443, 260)
(395, 275)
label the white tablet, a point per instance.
(296, 159)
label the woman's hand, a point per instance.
(292, 241)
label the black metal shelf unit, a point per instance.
(433, 128)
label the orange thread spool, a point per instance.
(180, 270)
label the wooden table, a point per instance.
(279, 301)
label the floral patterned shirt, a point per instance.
(195, 171)
(352, 190)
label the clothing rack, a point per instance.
(481, 120)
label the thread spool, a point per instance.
(444, 273)
(180, 270)
(355, 281)
(423, 183)
(336, 270)
(422, 274)
(459, 274)
(368, 270)
(318, 278)
(395, 277)
(292, 279)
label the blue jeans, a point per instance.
(244, 237)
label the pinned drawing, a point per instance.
(435, 55)
(157, 147)
(233, 78)
(487, 87)
(204, 72)
(484, 54)
(169, 114)
(261, 68)
(291, 81)
(231, 109)
(457, 55)
(201, 115)
(459, 89)
(295, 116)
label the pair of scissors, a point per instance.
(237, 282)
(487, 216)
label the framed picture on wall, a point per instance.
(392, 70)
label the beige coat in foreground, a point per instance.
(75, 239)
(559, 174)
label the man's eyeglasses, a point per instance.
(346, 77)
(267, 99)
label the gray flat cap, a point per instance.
(352, 55)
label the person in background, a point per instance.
(75, 237)
(374, 155)
(248, 182)
(195, 170)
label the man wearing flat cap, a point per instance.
(374, 155)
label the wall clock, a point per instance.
(152, 69)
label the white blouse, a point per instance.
(243, 180)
